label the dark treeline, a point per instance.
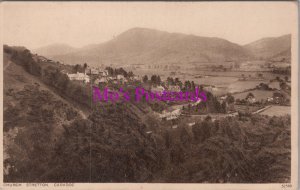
(119, 71)
(112, 146)
(154, 80)
(283, 71)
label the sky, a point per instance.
(37, 24)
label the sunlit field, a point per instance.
(277, 111)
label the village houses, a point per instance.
(100, 81)
(157, 88)
(170, 115)
(79, 77)
(174, 88)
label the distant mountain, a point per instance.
(271, 47)
(54, 49)
(148, 46)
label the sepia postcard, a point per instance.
(149, 95)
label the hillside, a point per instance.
(147, 46)
(16, 79)
(40, 119)
(54, 49)
(282, 56)
(31, 110)
(271, 47)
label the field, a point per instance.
(258, 94)
(245, 108)
(239, 86)
(277, 111)
(274, 85)
(224, 82)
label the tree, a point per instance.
(187, 85)
(224, 107)
(170, 81)
(278, 78)
(110, 71)
(277, 94)
(230, 99)
(77, 67)
(158, 80)
(130, 74)
(62, 81)
(283, 85)
(154, 79)
(121, 71)
(286, 78)
(249, 95)
(192, 86)
(145, 78)
(180, 84)
(84, 67)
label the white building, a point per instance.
(223, 98)
(79, 76)
(251, 99)
(191, 124)
(157, 88)
(104, 73)
(101, 80)
(93, 71)
(170, 115)
(112, 78)
(174, 88)
(120, 77)
(136, 78)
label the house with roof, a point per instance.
(250, 98)
(104, 73)
(93, 71)
(191, 124)
(79, 77)
(121, 78)
(102, 80)
(136, 78)
(174, 88)
(157, 88)
(170, 115)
